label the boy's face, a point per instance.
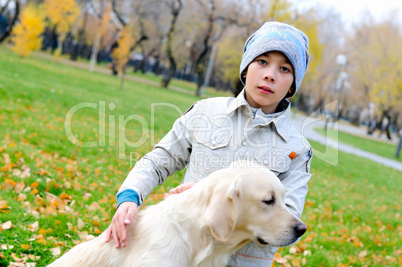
(268, 79)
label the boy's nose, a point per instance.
(269, 75)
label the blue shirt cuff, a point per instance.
(128, 195)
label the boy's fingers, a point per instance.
(181, 188)
(122, 232)
(130, 215)
(116, 240)
(108, 234)
(123, 237)
(172, 191)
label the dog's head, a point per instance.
(248, 202)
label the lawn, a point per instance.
(58, 187)
(379, 147)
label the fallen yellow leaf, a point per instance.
(7, 225)
(33, 257)
(14, 256)
(363, 254)
(25, 246)
(41, 241)
(8, 184)
(42, 232)
(55, 251)
(5, 246)
(80, 224)
(64, 196)
(3, 205)
(19, 187)
(22, 197)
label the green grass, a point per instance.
(352, 208)
(190, 87)
(379, 147)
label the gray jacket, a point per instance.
(215, 132)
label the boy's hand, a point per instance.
(124, 216)
(181, 188)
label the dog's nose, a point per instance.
(300, 229)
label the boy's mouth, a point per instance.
(265, 90)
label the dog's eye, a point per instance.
(269, 202)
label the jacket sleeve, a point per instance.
(172, 153)
(295, 182)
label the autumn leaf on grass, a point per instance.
(3, 206)
(84, 236)
(19, 187)
(94, 206)
(355, 241)
(363, 254)
(80, 224)
(6, 246)
(33, 257)
(42, 172)
(65, 196)
(25, 246)
(7, 225)
(55, 251)
(24, 173)
(9, 184)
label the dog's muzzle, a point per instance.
(262, 241)
(300, 229)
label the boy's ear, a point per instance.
(291, 91)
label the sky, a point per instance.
(352, 10)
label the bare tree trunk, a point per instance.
(94, 53)
(200, 70)
(9, 28)
(4, 8)
(81, 34)
(175, 7)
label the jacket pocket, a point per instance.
(210, 152)
(278, 160)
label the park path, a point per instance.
(305, 124)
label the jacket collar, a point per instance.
(279, 119)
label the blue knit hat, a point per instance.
(276, 36)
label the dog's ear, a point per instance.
(221, 214)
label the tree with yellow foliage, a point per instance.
(375, 72)
(26, 35)
(121, 53)
(63, 15)
(101, 31)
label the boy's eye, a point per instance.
(262, 62)
(284, 69)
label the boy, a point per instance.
(217, 131)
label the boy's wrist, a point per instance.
(128, 195)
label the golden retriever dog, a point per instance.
(202, 226)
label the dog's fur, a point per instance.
(202, 226)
